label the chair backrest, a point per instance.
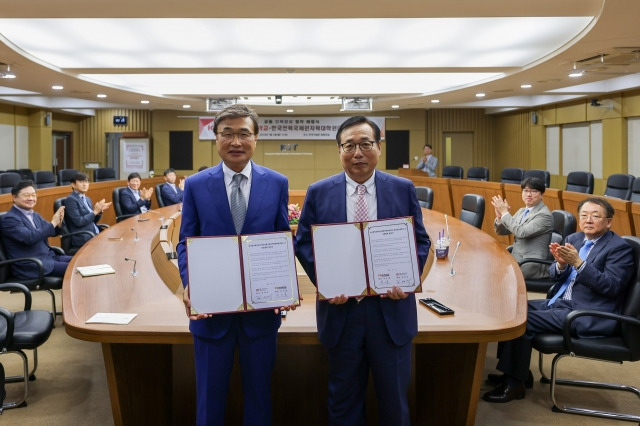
(158, 191)
(543, 175)
(8, 180)
(44, 179)
(27, 174)
(425, 196)
(631, 306)
(453, 172)
(564, 224)
(619, 186)
(472, 210)
(5, 270)
(580, 182)
(65, 243)
(115, 198)
(512, 175)
(104, 173)
(478, 173)
(635, 190)
(65, 175)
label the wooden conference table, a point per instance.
(149, 362)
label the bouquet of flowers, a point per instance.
(294, 214)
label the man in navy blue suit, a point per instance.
(375, 333)
(81, 213)
(25, 234)
(206, 211)
(592, 271)
(134, 200)
(172, 192)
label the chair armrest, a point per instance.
(126, 216)
(71, 234)
(21, 288)
(102, 226)
(58, 250)
(35, 260)
(566, 327)
(8, 337)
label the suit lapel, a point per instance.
(598, 247)
(383, 195)
(218, 195)
(259, 187)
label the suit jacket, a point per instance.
(129, 204)
(326, 203)
(79, 217)
(429, 166)
(532, 237)
(206, 212)
(171, 197)
(21, 239)
(602, 284)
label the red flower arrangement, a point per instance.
(294, 214)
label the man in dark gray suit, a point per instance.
(81, 213)
(531, 227)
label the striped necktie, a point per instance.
(238, 204)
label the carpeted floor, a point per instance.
(71, 386)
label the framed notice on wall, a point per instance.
(134, 156)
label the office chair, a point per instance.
(564, 224)
(635, 190)
(116, 205)
(512, 175)
(623, 346)
(158, 192)
(23, 330)
(543, 175)
(8, 180)
(472, 210)
(66, 242)
(619, 186)
(580, 182)
(425, 196)
(478, 173)
(453, 172)
(104, 173)
(27, 174)
(44, 179)
(65, 175)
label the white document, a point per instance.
(90, 271)
(111, 318)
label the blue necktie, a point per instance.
(584, 251)
(526, 212)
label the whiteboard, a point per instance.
(553, 149)
(575, 148)
(633, 150)
(134, 157)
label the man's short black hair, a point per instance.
(608, 208)
(78, 177)
(203, 168)
(20, 186)
(427, 145)
(533, 183)
(134, 175)
(236, 111)
(169, 170)
(358, 119)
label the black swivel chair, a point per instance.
(543, 175)
(27, 174)
(512, 175)
(564, 224)
(580, 182)
(623, 346)
(453, 172)
(619, 186)
(158, 191)
(65, 175)
(8, 180)
(472, 210)
(44, 179)
(116, 205)
(478, 173)
(635, 190)
(425, 196)
(20, 331)
(104, 173)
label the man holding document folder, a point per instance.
(363, 333)
(211, 201)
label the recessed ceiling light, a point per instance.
(102, 95)
(57, 87)
(480, 95)
(186, 106)
(576, 73)
(289, 110)
(144, 101)
(395, 106)
(526, 86)
(435, 101)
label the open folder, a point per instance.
(365, 258)
(242, 272)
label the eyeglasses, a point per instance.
(594, 217)
(530, 191)
(29, 195)
(351, 146)
(228, 136)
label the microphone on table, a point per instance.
(158, 213)
(134, 272)
(452, 272)
(134, 230)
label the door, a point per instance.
(458, 149)
(62, 151)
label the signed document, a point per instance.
(242, 272)
(381, 254)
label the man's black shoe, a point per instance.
(505, 393)
(496, 379)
